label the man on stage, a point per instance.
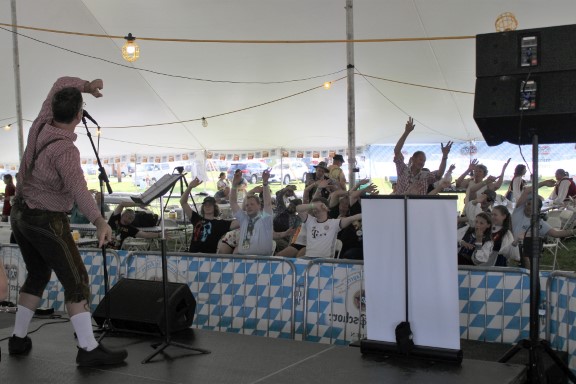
(50, 181)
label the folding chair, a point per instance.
(337, 248)
(552, 244)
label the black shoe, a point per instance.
(100, 356)
(19, 345)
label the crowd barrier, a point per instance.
(322, 300)
(54, 294)
(561, 313)
(242, 294)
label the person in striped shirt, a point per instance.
(50, 182)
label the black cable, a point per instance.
(54, 316)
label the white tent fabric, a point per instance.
(242, 88)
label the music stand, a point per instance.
(157, 191)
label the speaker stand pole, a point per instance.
(534, 344)
(167, 337)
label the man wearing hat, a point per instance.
(321, 173)
(336, 173)
(483, 203)
(208, 228)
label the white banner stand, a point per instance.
(422, 230)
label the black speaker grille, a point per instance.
(138, 305)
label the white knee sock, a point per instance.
(23, 318)
(82, 324)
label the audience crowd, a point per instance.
(327, 220)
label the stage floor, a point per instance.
(233, 359)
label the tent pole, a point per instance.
(351, 99)
(16, 59)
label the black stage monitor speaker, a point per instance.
(511, 108)
(550, 49)
(138, 305)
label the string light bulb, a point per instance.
(204, 122)
(130, 50)
(327, 85)
(7, 127)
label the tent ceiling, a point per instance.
(136, 96)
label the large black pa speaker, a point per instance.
(138, 305)
(501, 116)
(526, 86)
(526, 51)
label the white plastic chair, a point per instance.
(552, 244)
(133, 244)
(337, 248)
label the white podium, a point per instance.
(421, 230)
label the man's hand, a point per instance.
(446, 149)
(237, 178)
(196, 182)
(265, 176)
(94, 88)
(103, 231)
(409, 125)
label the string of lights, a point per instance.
(227, 41)
(172, 75)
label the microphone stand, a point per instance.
(103, 178)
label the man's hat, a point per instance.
(322, 165)
(338, 158)
(209, 200)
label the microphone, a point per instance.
(85, 114)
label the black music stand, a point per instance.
(158, 190)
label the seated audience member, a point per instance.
(475, 243)
(285, 219)
(255, 236)
(443, 183)
(321, 231)
(344, 204)
(208, 228)
(121, 223)
(480, 181)
(297, 244)
(336, 173)
(521, 218)
(412, 178)
(564, 187)
(517, 183)
(483, 203)
(502, 236)
(312, 181)
(223, 186)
